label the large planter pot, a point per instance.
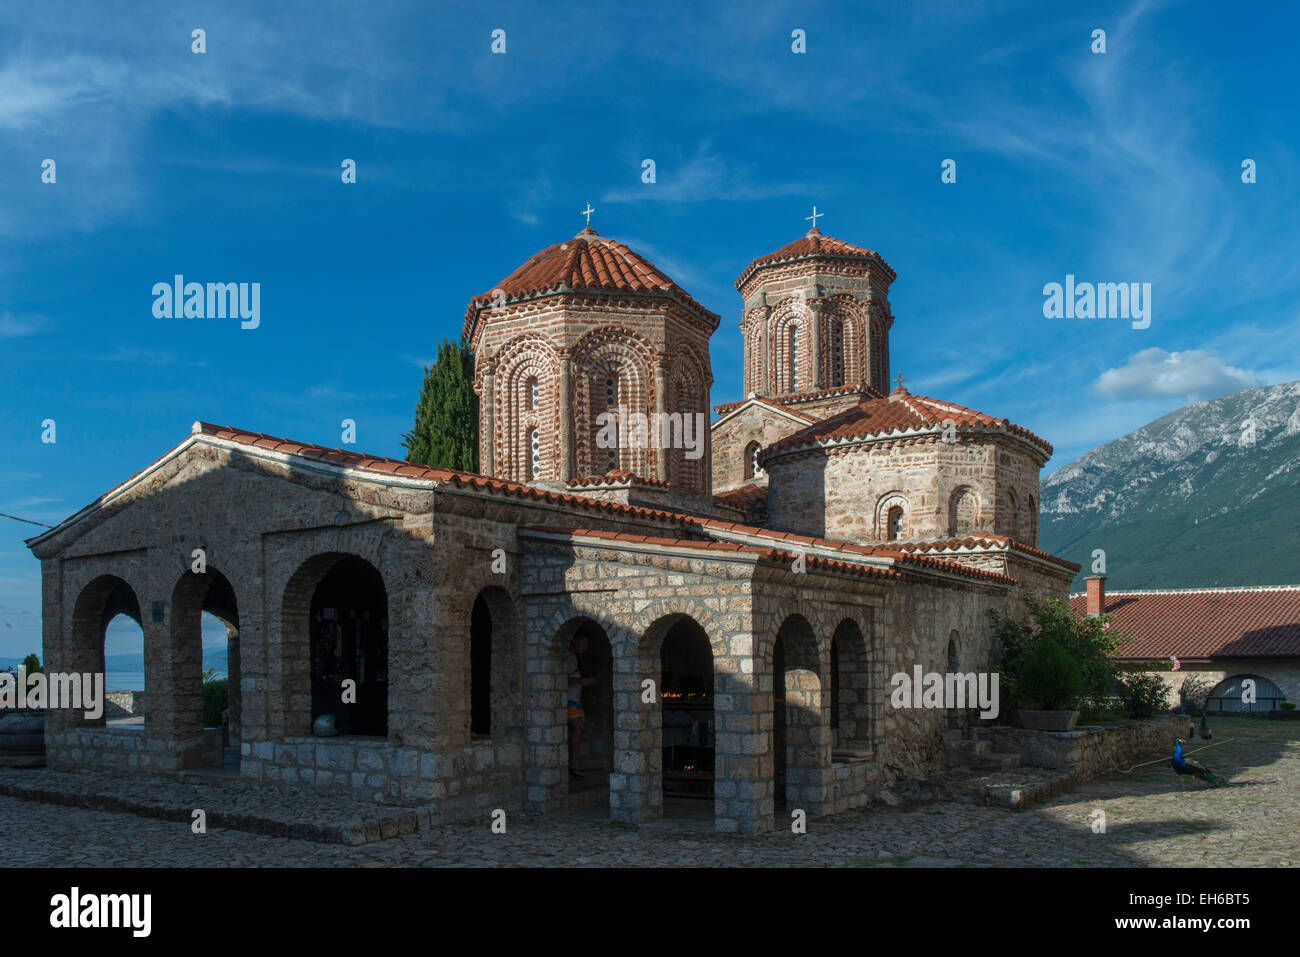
(1049, 720)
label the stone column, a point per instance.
(816, 312)
(661, 411)
(568, 424)
(487, 419)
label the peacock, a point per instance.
(1185, 765)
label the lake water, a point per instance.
(130, 680)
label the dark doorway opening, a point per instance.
(349, 632)
(686, 697)
(480, 668)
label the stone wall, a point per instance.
(1283, 672)
(845, 493)
(1089, 752)
(731, 437)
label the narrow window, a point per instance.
(535, 452)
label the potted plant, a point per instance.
(1050, 685)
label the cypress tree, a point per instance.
(446, 417)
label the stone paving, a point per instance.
(1152, 817)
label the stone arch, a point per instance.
(193, 595)
(963, 512)
(851, 694)
(611, 372)
(1013, 514)
(791, 337)
(521, 362)
(677, 739)
(878, 359)
(98, 603)
(596, 752)
(334, 622)
(800, 735)
(1030, 523)
(892, 517)
(845, 327)
(495, 645)
(752, 468)
(686, 396)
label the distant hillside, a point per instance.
(1188, 501)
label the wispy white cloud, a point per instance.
(1154, 373)
(11, 326)
(705, 177)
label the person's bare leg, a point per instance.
(575, 739)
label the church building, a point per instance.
(746, 586)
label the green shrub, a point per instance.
(1049, 680)
(1089, 642)
(216, 696)
(1287, 706)
(1143, 694)
(32, 664)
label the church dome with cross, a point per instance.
(816, 317)
(585, 334)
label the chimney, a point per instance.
(1096, 595)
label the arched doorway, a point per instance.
(348, 619)
(495, 693)
(108, 638)
(799, 735)
(595, 664)
(687, 716)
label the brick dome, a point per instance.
(586, 263)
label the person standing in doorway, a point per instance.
(576, 682)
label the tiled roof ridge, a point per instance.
(930, 420)
(615, 477)
(774, 555)
(1215, 590)
(784, 400)
(340, 458)
(979, 539)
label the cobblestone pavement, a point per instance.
(1152, 818)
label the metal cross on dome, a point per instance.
(587, 212)
(900, 380)
(814, 216)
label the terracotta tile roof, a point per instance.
(689, 524)
(1205, 622)
(981, 541)
(616, 477)
(787, 402)
(898, 413)
(587, 262)
(814, 245)
(769, 555)
(743, 496)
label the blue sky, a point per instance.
(225, 166)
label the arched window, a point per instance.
(752, 469)
(611, 406)
(535, 453)
(837, 352)
(961, 512)
(894, 523)
(793, 334)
